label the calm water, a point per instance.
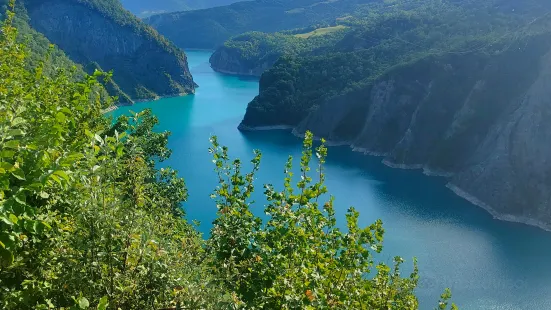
(488, 264)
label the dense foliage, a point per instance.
(255, 51)
(211, 27)
(83, 214)
(379, 43)
(37, 44)
(88, 221)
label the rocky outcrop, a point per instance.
(229, 61)
(96, 34)
(480, 120)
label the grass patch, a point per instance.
(295, 11)
(320, 31)
(324, 2)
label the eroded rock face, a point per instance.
(226, 61)
(144, 65)
(511, 168)
(482, 121)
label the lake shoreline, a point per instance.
(236, 74)
(116, 106)
(426, 171)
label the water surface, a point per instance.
(488, 264)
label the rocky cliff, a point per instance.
(230, 61)
(480, 120)
(102, 34)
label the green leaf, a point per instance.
(62, 175)
(18, 173)
(12, 144)
(6, 257)
(21, 198)
(6, 220)
(71, 159)
(7, 240)
(60, 117)
(120, 150)
(29, 226)
(13, 218)
(55, 178)
(20, 109)
(103, 303)
(4, 182)
(7, 154)
(18, 120)
(98, 138)
(15, 133)
(46, 225)
(6, 166)
(38, 227)
(83, 303)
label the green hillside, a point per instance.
(115, 40)
(38, 44)
(210, 28)
(253, 52)
(378, 43)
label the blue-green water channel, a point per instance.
(488, 264)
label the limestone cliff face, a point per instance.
(480, 120)
(510, 170)
(226, 60)
(145, 65)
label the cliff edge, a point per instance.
(102, 34)
(480, 120)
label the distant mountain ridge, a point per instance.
(144, 8)
(209, 28)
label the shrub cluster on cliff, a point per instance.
(87, 221)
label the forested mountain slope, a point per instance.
(252, 53)
(100, 34)
(210, 28)
(38, 44)
(458, 90)
(143, 8)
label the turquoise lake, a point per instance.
(488, 264)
